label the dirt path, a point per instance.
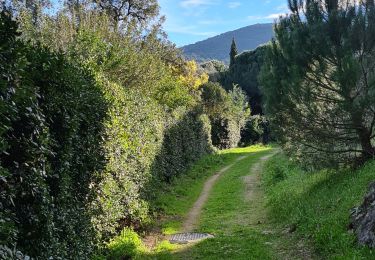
(252, 181)
(232, 207)
(284, 244)
(194, 213)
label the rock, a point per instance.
(363, 219)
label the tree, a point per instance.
(245, 71)
(34, 7)
(129, 10)
(227, 112)
(233, 52)
(319, 81)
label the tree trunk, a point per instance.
(364, 136)
(368, 151)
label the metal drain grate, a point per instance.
(185, 238)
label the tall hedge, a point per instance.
(50, 149)
(133, 134)
(78, 149)
(187, 138)
(228, 112)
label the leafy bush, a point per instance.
(185, 141)
(126, 245)
(133, 135)
(256, 130)
(83, 133)
(151, 130)
(50, 150)
(7, 253)
(227, 112)
(245, 71)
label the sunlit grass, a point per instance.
(176, 199)
(318, 204)
(220, 216)
(225, 205)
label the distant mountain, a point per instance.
(218, 47)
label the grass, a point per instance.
(241, 227)
(238, 225)
(226, 215)
(176, 199)
(318, 204)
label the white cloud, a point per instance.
(274, 16)
(195, 3)
(233, 5)
(283, 8)
(270, 16)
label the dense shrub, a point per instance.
(84, 133)
(133, 135)
(256, 130)
(185, 141)
(126, 245)
(245, 71)
(227, 112)
(152, 129)
(50, 149)
(225, 133)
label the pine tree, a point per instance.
(319, 81)
(233, 52)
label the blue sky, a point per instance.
(189, 21)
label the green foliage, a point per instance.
(233, 52)
(214, 69)
(244, 72)
(129, 11)
(319, 83)
(133, 135)
(165, 246)
(8, 253)
(126, 245)
(187, 140)
(85, 132)
(255, 130)
(50, 150)
(151, 131)
(318, 204)
(227, 112)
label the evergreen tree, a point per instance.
(319, 81)
(233, 52)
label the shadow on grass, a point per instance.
(233, 240)
(318, 205)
